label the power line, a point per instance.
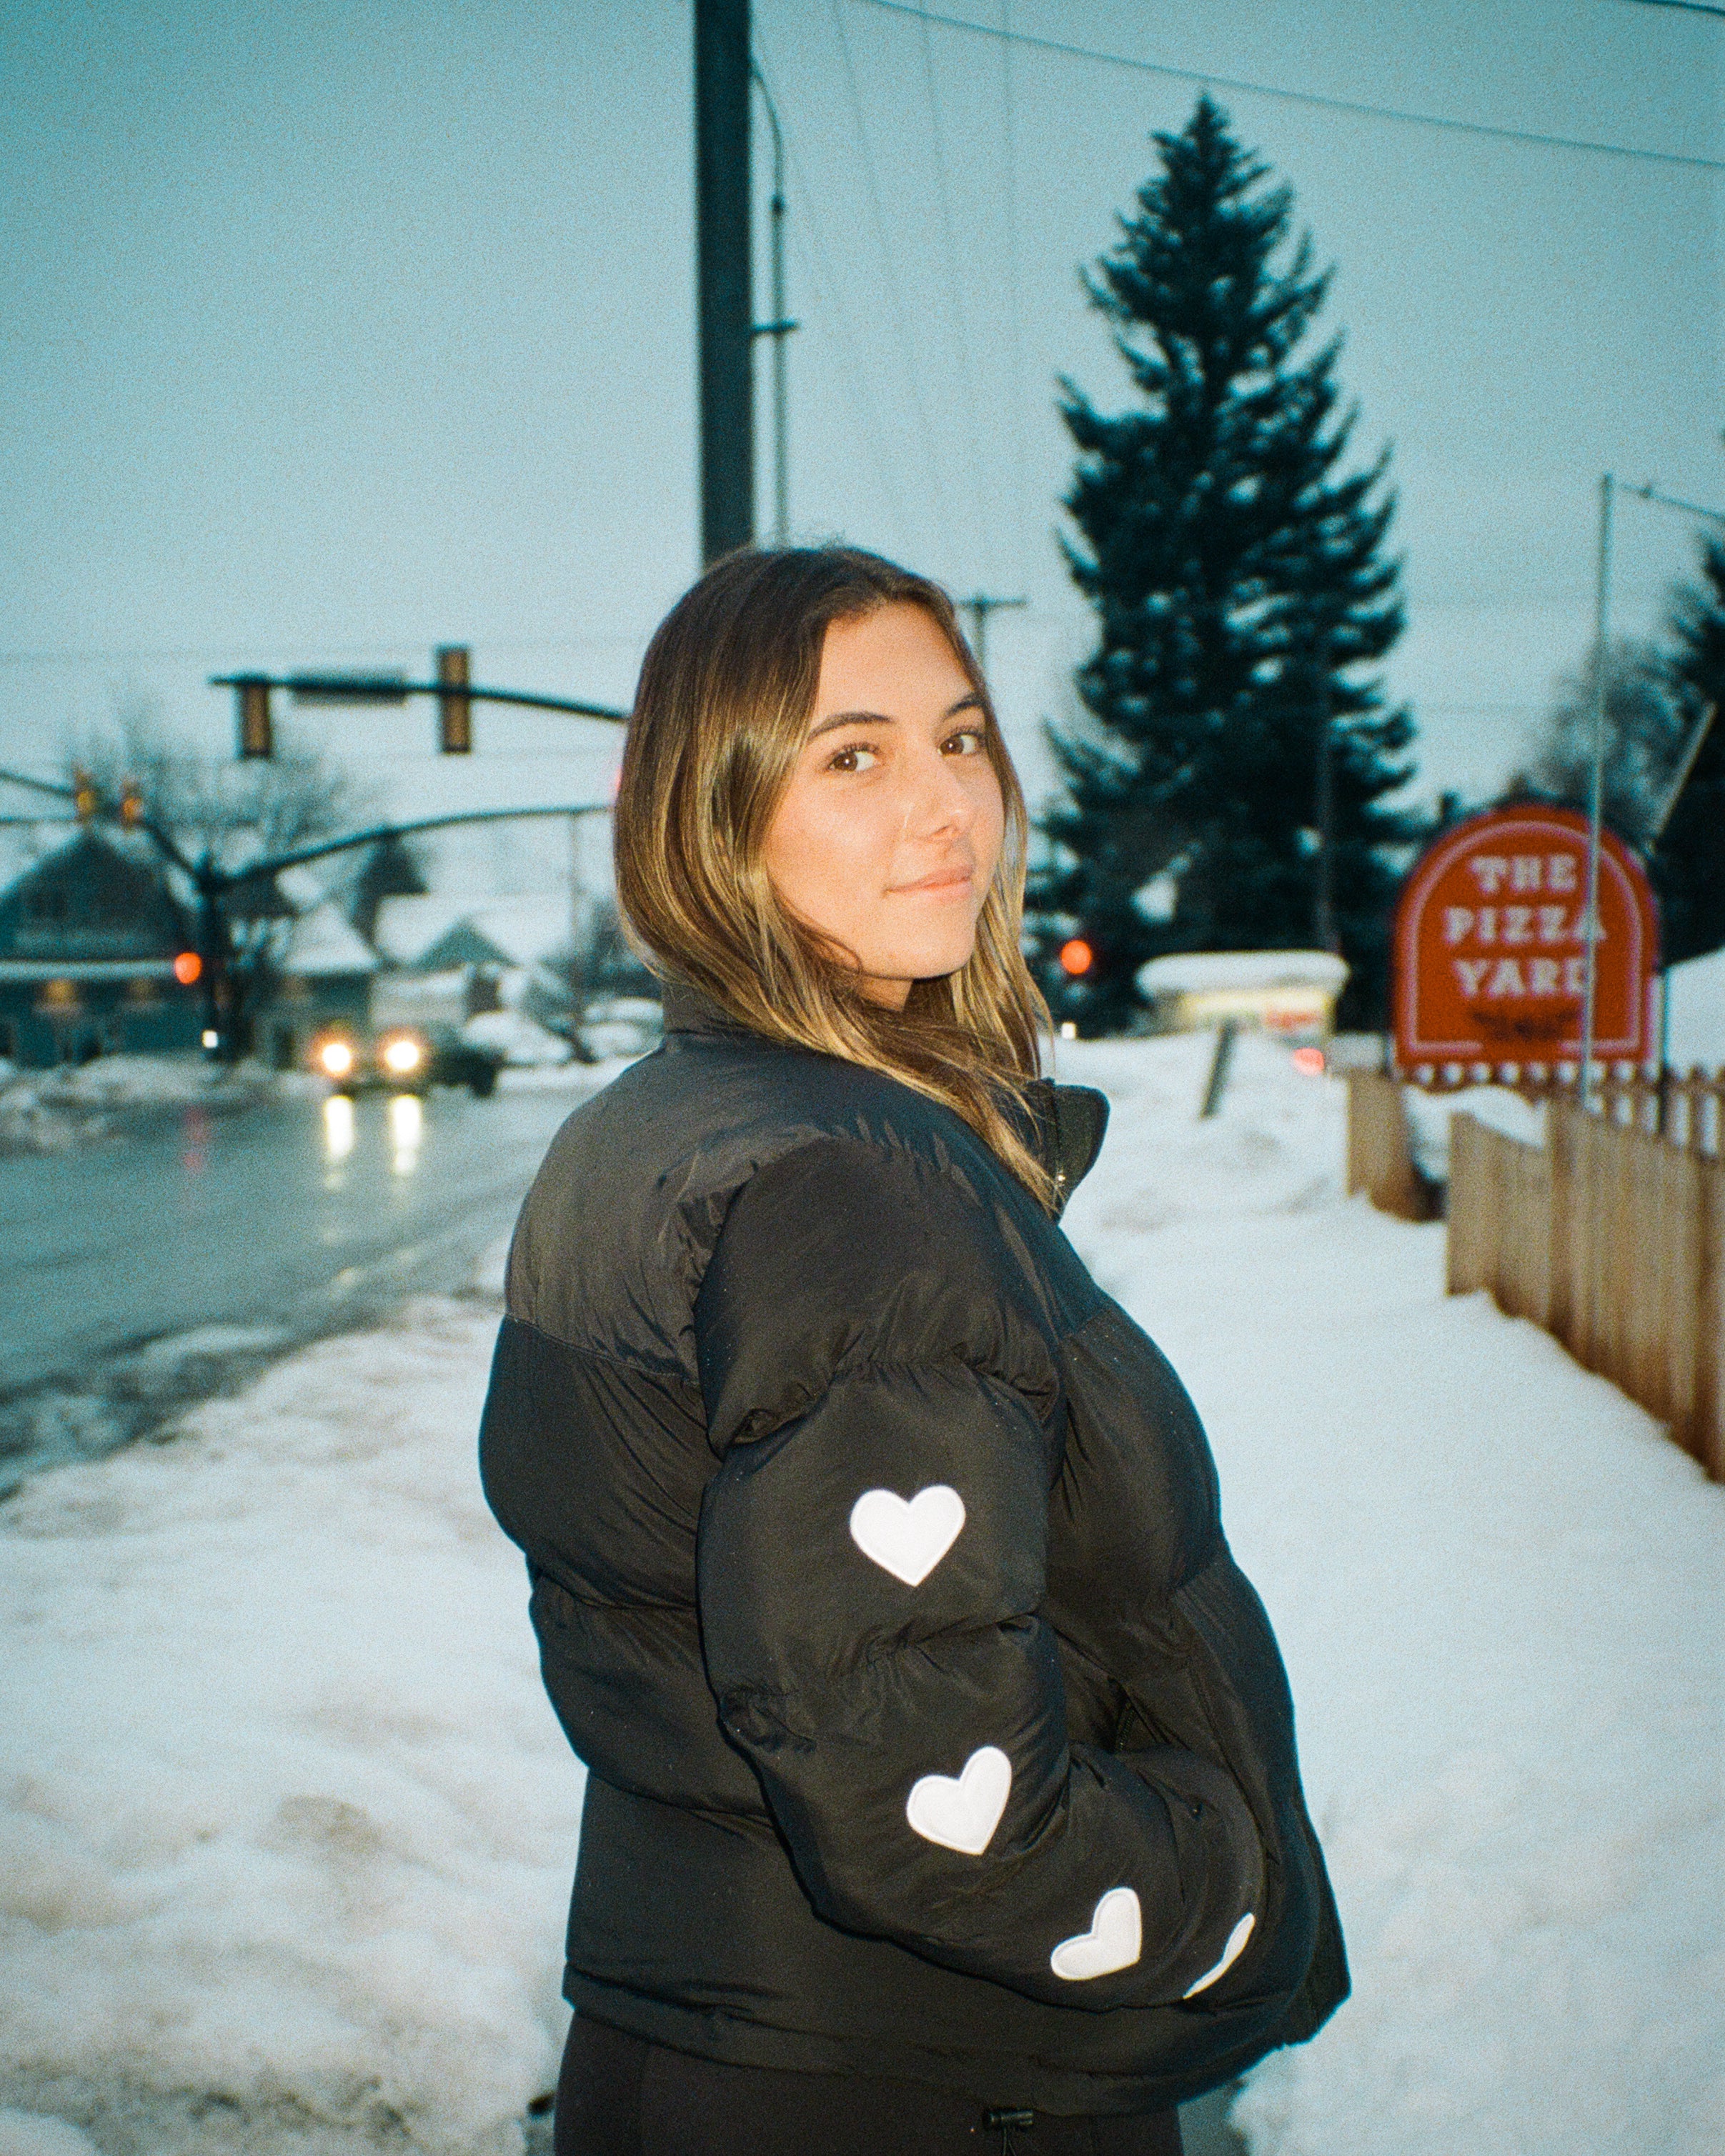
(818, 270)
(894, 291)
(955, 296)
(215, 653)
(1312, 98)
(1688, 7)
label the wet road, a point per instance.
(139, 1271)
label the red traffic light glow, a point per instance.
(1311, 1060)
(1077, 957)
(188, 966)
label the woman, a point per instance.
(942, 1790)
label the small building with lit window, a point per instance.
(96, 958)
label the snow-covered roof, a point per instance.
(1696, 1033)
(524, 929)
(303, 887)
(406, 927)
(1187, 972)
(325, 942)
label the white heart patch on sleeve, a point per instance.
(909, 1539)
(1231, 1953)
(1114, 1940)
(962, 1812)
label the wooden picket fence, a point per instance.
(1610, 1235)
(1612, 1238)
(1380, 1160)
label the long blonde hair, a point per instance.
(721, 713)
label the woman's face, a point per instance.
(888, 836)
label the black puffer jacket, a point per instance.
(879, 1581)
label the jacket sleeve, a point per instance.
(883, 1389)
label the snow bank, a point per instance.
(29, 2133)
(48, 1111)
(1696, 1031)
(286, 1825)
(286, 1822)
(518, 1039)
(1501, 1591)
(1499, 1107)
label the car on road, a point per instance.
(403, 1058)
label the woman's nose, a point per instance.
(939, 801)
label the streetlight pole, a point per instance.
(1596, 789)
(780, 327)
(1596, 778)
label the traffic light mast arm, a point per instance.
(147, 824)
(210, 879)
(354, 691)
(380, 832)
(39, 785)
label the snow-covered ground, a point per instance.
(285, 1824)
(1696, 1030)
(1500, 1592)
(284, 1818)
(1499, 1107)
(48, 1111)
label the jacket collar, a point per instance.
(689, 1010)
(1069, 1122)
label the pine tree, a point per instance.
(1240, 585)
(1689, 859)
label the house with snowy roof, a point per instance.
(507, 953)
(96, 957)
(324, 972)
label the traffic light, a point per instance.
(257, 732)
(1076, 958)
(131, 803)
(454, 708)
(85, 800)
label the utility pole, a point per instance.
(979, 607)
(722, 209)
(778, 329)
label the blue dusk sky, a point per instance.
(336, 332)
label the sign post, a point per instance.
(1492, 950)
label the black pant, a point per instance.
(620, 2095)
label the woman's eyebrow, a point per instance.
(972, 702)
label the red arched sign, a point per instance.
(1491, 945)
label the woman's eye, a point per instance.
(858, 756)
(967, 741)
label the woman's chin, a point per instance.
(928, 962)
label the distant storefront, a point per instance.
(96, 959)
(1291, 993)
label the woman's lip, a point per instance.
(941, 880)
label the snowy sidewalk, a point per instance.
(286, 1826)
(1500, 1593)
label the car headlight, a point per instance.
(402, 1054)
(336, 1058)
